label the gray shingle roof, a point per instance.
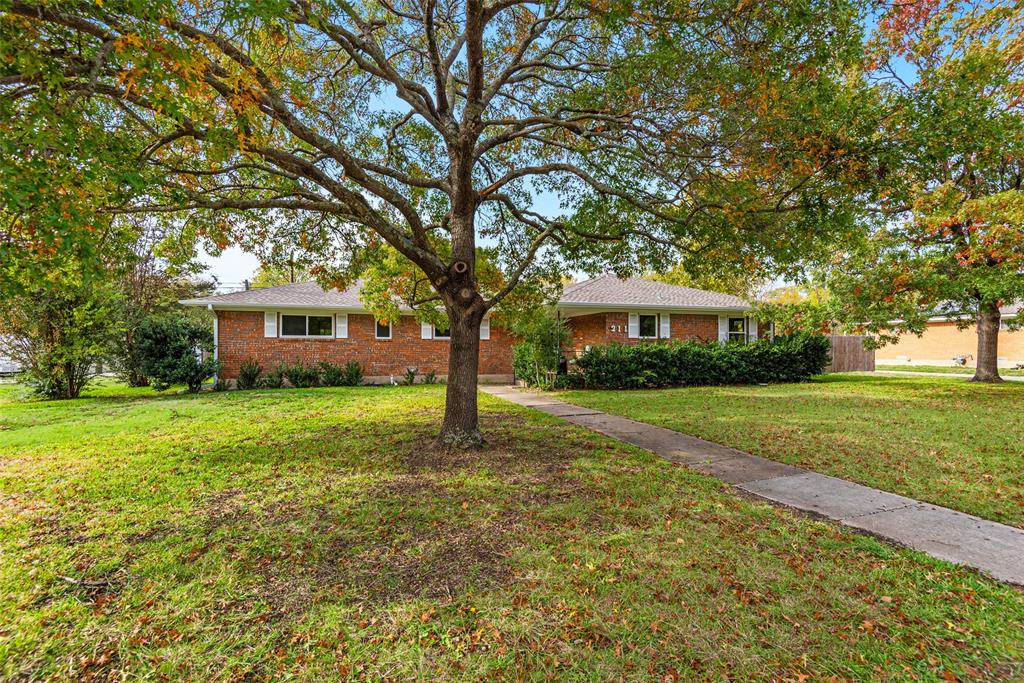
(295, 295)
(608, 290)
(949, 309)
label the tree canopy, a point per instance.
(951, 202)
(701, 130)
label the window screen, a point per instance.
(648, 326)
(293, 325)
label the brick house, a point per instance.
(302, 322)
(943, 340)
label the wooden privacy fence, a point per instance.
(849, 355)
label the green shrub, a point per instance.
(331, 374)
(336, 375)
(275, 378)
(169, 349)
(353, 374)
(536, 357)
(410, 377)
(430, 377)
(787, 359)
(302, 376)
(249, 374)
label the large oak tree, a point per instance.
(706, 128)
(951, 74)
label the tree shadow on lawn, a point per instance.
(416, 523)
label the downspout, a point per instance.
(558, 346)
(216, 344)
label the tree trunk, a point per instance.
(988, 344)
(461, 428)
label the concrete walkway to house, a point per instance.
(960, 375)
(995, 549)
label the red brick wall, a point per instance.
(606, 328)
(702, 327)
(240, 336)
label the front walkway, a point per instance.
(993, 548)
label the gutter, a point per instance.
(618, 307)
(563, 306)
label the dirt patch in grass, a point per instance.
(384, 550)
(395, 558)
(222, 508)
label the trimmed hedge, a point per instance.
(786, 359)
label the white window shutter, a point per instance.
(341, 328)
(666, 325)
(485, 328)
(426, 331)
(723, 328)
(752, 329)
(270, 323)
(634, 326)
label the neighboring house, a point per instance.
(302, 322)
(8, 367)
(943, 341)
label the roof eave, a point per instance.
(230, 306)
(651, 307)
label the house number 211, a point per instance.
(616, 328)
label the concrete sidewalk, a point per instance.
(959, 375)
(993, 548)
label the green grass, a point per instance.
(952, 443)
(311, 535)
(947, 370)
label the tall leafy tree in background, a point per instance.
(710, 129)
(952, 242)
(742, 283)
(151, 280)
(59, 327)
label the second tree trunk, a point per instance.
(988, 344)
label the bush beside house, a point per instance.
(299, 375)
(786, 359)
(536, 358)
(169, 351)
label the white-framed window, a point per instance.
(441, 332)
(738, 329)
(383, 329)
(648, 326)
(320, 326)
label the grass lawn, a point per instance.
(952, 443)
(309, 535)
(947, 370)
